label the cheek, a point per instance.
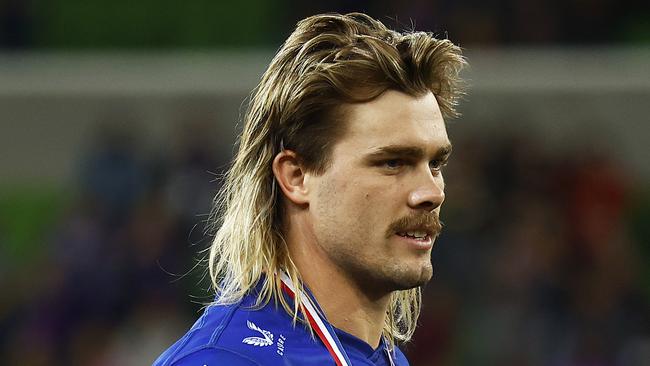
(358, 204)
(378, 206)
(332, 203)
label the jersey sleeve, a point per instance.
(214, 357)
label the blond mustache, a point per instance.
(430, 222)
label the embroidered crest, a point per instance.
(258, 341)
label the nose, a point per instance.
(428, 197)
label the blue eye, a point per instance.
(393, 163)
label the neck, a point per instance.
(347, 305)
(348, 308)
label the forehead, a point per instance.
(394, 118)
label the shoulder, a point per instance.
(200, 336)
(214, 356)
(245, 334)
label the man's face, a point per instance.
(374, 211)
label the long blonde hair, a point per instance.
(329, 60)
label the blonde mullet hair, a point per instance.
(329, 60)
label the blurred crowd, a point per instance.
(114, 281)
(540, 261)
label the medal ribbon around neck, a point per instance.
(324, 332)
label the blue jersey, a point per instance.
(241, 335)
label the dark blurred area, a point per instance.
(74, 24)
(105, 189)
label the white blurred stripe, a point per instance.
(237, 72)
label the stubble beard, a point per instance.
(378, 282)
(382, 279)
(379, 275)
(397, 276)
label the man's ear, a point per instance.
(290, 176)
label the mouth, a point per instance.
(416, 231)
(415, 234)
(420, 239)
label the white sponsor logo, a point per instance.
(258, 341)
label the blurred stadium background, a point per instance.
(117, 117)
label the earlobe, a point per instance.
(290, 176)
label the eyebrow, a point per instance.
(409, 152)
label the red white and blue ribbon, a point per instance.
(322, 328)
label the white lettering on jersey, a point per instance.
(280, 343)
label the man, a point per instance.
(329, 212)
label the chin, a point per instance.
(411, 277)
